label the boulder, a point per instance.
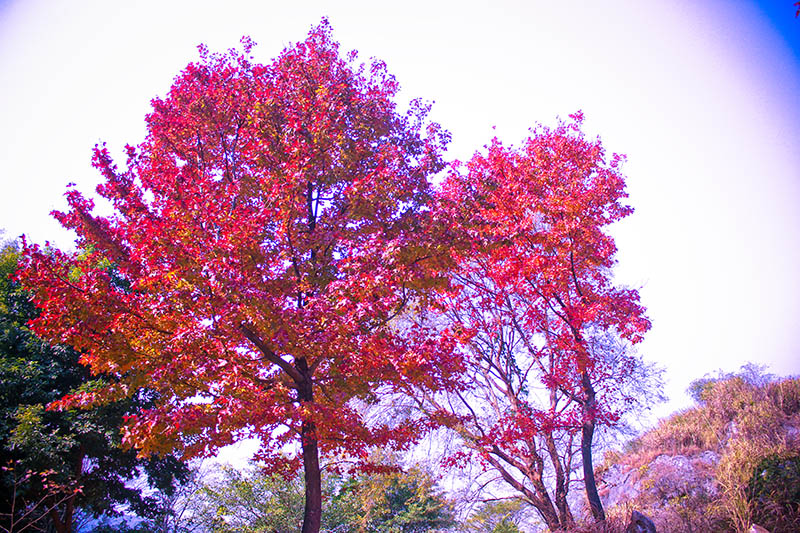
(640, 524)
(619, 484)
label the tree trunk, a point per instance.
(312, 518)
(63, 525)
(561, 480)
(587, 434)
(538, 497)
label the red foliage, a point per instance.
(544, 326)
(538, 254)
(265, 237)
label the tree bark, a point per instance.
(312, 518)
(62, 525)
(561, 481)
(587, 434)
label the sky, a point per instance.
(702, 97)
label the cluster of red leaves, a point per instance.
(534, 263)
(265, 237)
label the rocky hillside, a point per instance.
(729, 463)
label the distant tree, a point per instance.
(254, 500)
(750, 373)
(394, 502)
(506, 527)
(68, 460)
(251, 500)
(187, 509)
(496, 517)
(546, 334)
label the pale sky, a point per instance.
(702, 96)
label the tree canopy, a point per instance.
(265, 236)
(277, 259)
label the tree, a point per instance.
(501, 516)
(251, 500)
(398, 501)
(58, 462)
(750, 373)
(546, 333)
(265, 235)
(31, 499)
(189, 508)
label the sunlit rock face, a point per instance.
(668, 489)
(664, 482)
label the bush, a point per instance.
(774, 493)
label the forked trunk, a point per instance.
(536, 496)
(561, 480)
(63, 524)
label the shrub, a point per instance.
(774, 493)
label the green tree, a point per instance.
(506, 527)
(497, 517)
(395, 502)
(61, 460)
(252, 500)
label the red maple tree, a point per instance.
(265, 237)
(544, 327)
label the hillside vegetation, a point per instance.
(730, 462)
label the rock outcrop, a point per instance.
(665, 479)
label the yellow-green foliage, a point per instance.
(785, 395)
(731, 409)
(774, 490)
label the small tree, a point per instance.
(265, 235)
(501, 516)
(399, 501)
(395, 501)
(546, 333)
